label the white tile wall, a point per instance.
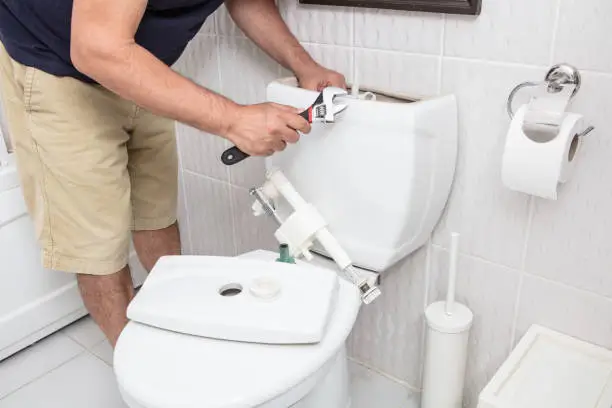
(490, 291)
(518, 31)
(414, 75)
(583, 36)
(319, 24)
(399, 31)
(388, 333)
(566, 309)
(523, 261)
(210, 215)
(251, 232)
(492, 218)
(570, 239)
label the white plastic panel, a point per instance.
(237, 299)
(551, 370)
(380, 175)
(33, 301)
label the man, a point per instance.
(90, 102)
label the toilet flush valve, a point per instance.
(304, 226)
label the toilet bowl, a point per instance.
(161, 368)
(253, 332)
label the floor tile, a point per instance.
(82, 382)
(35, 361)
(104, 351)
(85, 332)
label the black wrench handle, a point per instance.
(233, 155)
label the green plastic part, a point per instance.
(284, 254)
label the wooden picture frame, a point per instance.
(468, 7)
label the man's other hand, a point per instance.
(317, 77)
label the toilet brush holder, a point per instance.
(448, 329)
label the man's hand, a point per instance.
(261, 130)
(318, 77)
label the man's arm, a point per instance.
(262, 23)
(103, 48)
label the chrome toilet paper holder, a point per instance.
(561, 84)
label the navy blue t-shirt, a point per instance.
(36, 33)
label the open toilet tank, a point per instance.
(380, 177)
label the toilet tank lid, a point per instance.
(237, 299)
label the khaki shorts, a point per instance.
(93, 167)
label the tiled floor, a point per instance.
(73, 369)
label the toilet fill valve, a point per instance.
(285, 255)
(305, 225)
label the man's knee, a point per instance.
(151, 245)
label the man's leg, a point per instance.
(106, 299)
(70, 142)
(153, 167)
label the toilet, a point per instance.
(352, 199)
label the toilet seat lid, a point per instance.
(237, 299)
(162, 369)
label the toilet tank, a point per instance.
(380, 175)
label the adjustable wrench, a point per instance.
(322, 110)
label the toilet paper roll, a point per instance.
(535, 167)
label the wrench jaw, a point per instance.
(331, 117)
(331, 110)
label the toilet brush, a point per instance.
(448, 328)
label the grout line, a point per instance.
(519, 292)
(186, 210)
(90, 351)
(532, 204)
(228, 173)
(570, 287)
(183, 191)
(554, 33)
(216, 180)
(385, 375)
(353, 25)
(231, 201)
(232, 204)
(441, 57)
(428, 261)
(354, 68)
(422, 54)
(478, 258)
(204, 176)
(517, 304)
(33, 380)
(499, 63)
(428, 276)
(530, 274)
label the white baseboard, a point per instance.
(40, 319)
(49, 314)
